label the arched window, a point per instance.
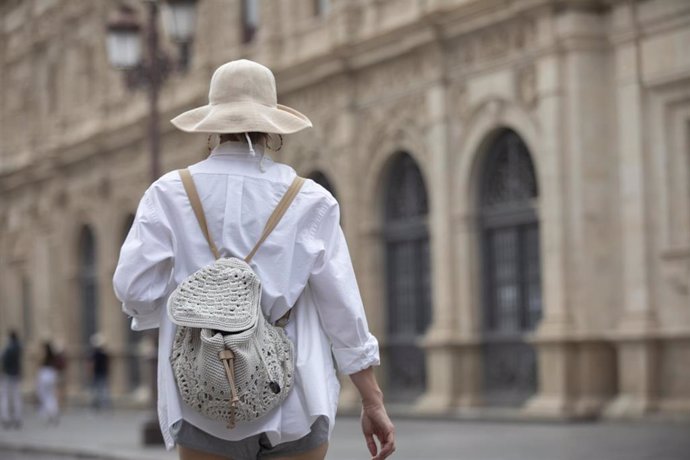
(511, 270)
(132, 338)
(408, 274)
(88, 284)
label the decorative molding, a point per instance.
(526, 86)
(497, 41)
(394, 126)
(396, 76)
(458, 101)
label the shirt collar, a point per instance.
(239, 150)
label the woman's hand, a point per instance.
(376, 423)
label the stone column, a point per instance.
(590, 194)
(554, 352)
(110, 317)
(44, 305)
(69, 297)
(439, 340)
(466, 255)
(637, 351)
(351, 215)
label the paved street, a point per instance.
(85, 435)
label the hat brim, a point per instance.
(241, 117)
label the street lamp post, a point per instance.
(125, 53)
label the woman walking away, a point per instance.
(245, 269)
(46, 386)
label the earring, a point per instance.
(208, 143)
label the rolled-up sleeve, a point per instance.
(337, 297)
(143, 276)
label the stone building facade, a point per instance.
(514, 178)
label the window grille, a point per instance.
(511, 270)
(408, 276)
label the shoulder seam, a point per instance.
(319, 218)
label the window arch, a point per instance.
(408, 274)
(511, 269)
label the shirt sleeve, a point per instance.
(143, 276)
(338, 299)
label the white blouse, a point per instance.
(304, 264)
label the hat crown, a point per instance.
(243, 81)
(242, 99)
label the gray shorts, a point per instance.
(251, 448)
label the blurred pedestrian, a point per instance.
(61, 368)
(100, 371)
(46, 386)
(10, 383)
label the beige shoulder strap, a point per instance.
(278, 212)
(193, 196)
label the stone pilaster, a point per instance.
(637, 353)
(110, 317)
(468, 356)
(351, 215)
(554, 354)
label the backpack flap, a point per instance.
(224, 296)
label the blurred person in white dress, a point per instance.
(47, 386)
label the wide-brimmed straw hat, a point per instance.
(242, 99)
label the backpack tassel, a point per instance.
(228, 359)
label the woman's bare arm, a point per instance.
(375, 420)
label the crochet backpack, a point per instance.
(229, 362)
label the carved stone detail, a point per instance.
(319, 99)
(498, 41)
(397, 125)
(458, 101)
(398, 76)
(526, 86)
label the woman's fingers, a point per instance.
(387, 446)
(376, 426)
(371, 444)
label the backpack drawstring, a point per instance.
(228, 359)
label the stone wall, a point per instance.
(597, 90)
